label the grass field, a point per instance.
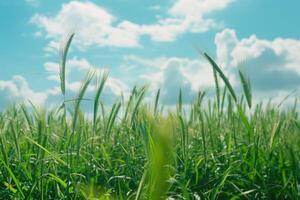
(223, 148)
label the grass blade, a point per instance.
(156, 102)
(97, 98)
(246, 87)
(81, 93)
(224, 78)
(63, 60)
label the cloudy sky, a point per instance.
(147, 42)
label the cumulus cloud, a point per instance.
(76, 68)
(92, 24)
(95, 25)
(193, 12)
(172, 74)
(75, 73)
(189, 8)
(18, 90)
(273, 65)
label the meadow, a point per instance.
(222, 148)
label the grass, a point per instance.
(225, 148)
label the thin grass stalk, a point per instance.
(133, 92)
(97, 99)
(139, 101)
(217, 87)
(180, 102)
(112, 118)
(81, 93)
(202, 129)
(96, 104)
(156, 102)
(16, 140)
(63, 60)
(246, 87)
(3, 149)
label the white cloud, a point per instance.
(171, 74)
(225, 41)
(197, 8)
(94, 25)
(91, 23)
(167, 30)
(75, 73)
(17, 90)
(76, 68)
(192, 71)
(53, 71)
(193, 12)
(273, 65)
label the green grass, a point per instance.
(225, 148)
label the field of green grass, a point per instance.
(222, 148)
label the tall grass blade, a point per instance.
(64, 52)
(217, 88)
(274, 132)
(180, 102)
(156, 102)
(97, 98)
(139, 101)
(133, 92)
(112, 118)
(246, 87)
(224, 78)
(81, 93)
(3, 149)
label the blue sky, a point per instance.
(151, 42)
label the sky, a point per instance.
(147, 42)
